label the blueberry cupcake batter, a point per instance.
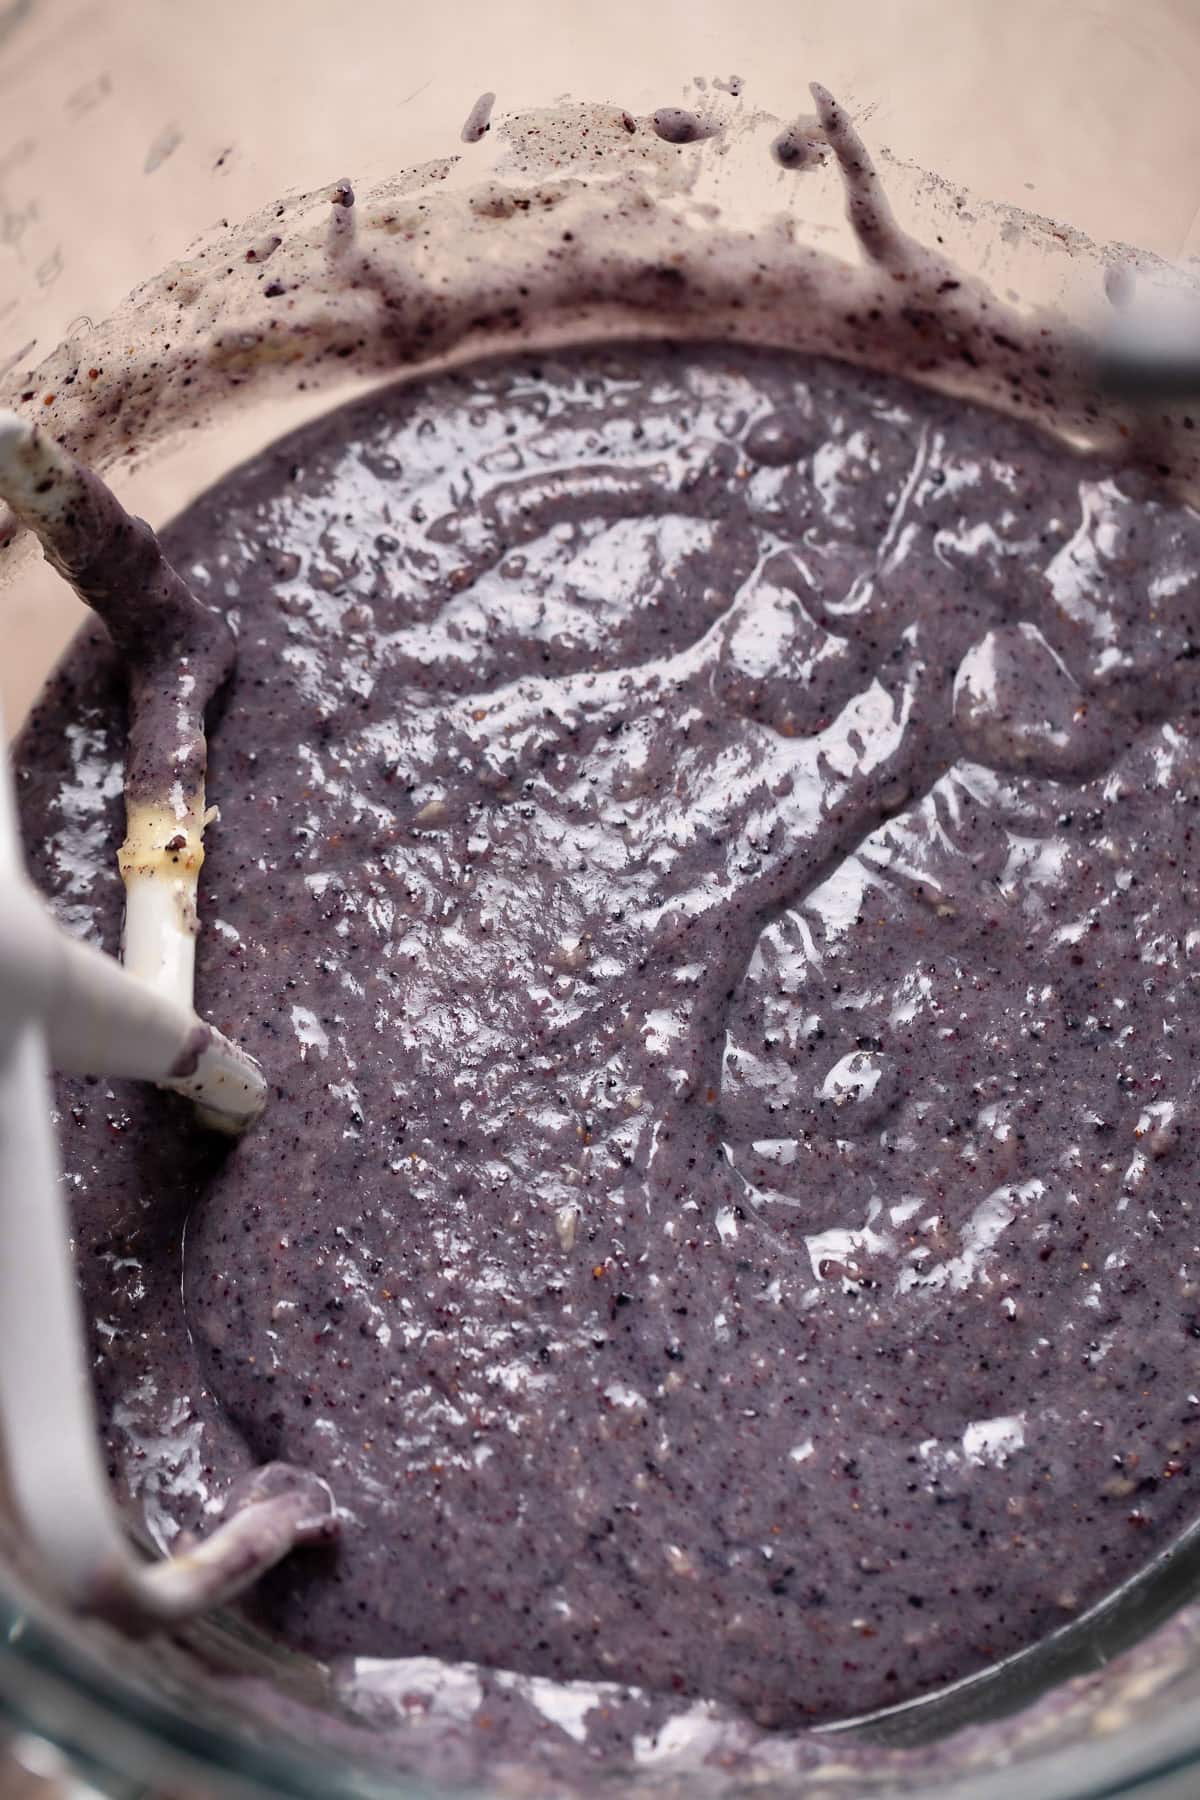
(706, 860)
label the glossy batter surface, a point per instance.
(707, 860)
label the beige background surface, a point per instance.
(126, 128)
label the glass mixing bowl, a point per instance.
(1048, 149)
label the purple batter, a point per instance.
(706, 859)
